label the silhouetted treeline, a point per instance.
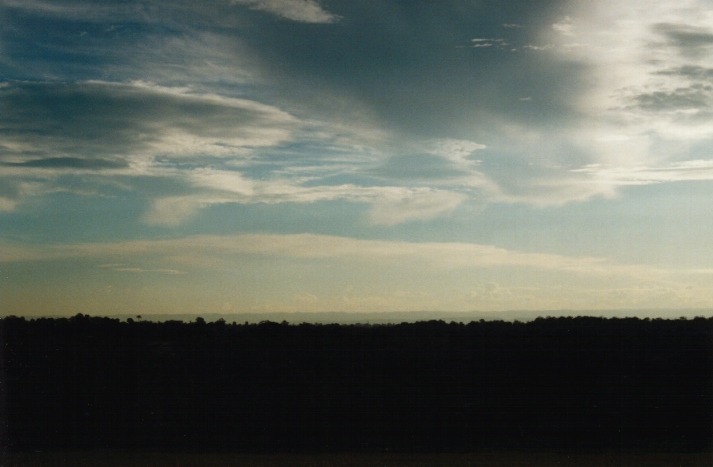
(556, 383)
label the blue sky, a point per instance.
(301, 155)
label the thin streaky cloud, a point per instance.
(305, 11)
(436, 254)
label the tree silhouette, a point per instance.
(555, 383)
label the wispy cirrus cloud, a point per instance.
(403, 275)
(389, 205)
(152, 94)
(119, 267)
(97, 119)
(698, 170)
(122, 129)
(141, 129)
(392, 208)
(312, 246)
(305, 11)
(455, 269)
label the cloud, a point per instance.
(445, 162)
(427, 186)
(77, 9)
(696, 73)
(366, 91)
(390, 205)
(230, 181)
(538, 47)
(438, 260)
(694, 170)
(691, 40)
(139, 270)
(180, 90)
(132, 129)
(70, 163)
(412, 206)
(564, 26)
(694, 98)
(311, 246)
(457, 151)
(644, 109)
(14, 188)
(479, 43)
(418, 167)
(305, 11)
(388, 273)
(98, 120)
(175, 210)
(7, 204)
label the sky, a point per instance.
(256, 156)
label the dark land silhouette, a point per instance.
(555, 384)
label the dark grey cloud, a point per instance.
(697, 96)
(690, 40)
(412, 65)
(693, 72)
(70, 163)
(406, 63)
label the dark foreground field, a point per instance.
(477, 459)
(566, 391)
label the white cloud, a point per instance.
(7, 204)
(203, 58)
(305, 11)
(223, 180)
(100, 129)
(564, 26)
(140, 270)
(390, 205)
(197, 250)
(681, 171)
(102, 119)
(79, 9)
(538, 47)
(644, 99)
(399, 206)
(644, 110)
(331, 272)
(479, 42)
(175, 210)
(455, 150)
